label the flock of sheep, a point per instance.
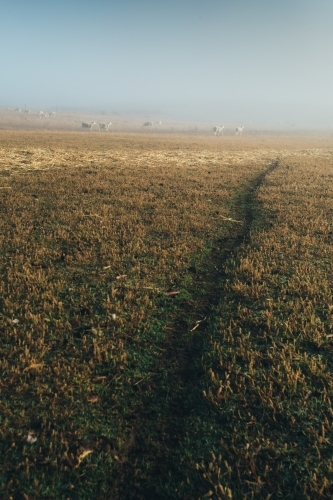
(220, 130)
(216, 130)
(105, 127)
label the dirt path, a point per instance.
(171, 401)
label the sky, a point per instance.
(222, 60)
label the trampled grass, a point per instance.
(127, 388)
(269, 360)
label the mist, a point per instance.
(220, 61)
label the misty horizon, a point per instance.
(216, 60)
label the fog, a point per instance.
(219, 60)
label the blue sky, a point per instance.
(194, 59)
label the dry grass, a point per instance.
(95, 232)
(269, 362)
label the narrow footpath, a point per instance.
(169, 419)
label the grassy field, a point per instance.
(71, 120)
(165, 316)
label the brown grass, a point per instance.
(270, 359)
(95, 231)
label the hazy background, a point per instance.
(222, 60)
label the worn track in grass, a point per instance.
(171, 402)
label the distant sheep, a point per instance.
(218, 130)
(239, 130)
(104, 127)
(88, 126)
(148, 124)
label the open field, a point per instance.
(165, 316)
(54, 120)
(62, 120)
